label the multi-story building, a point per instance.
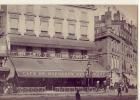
(116, 41)
(47, 46)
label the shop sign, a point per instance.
(59, 74)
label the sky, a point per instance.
(129, 11)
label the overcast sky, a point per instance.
(129, 11)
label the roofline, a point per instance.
(83, 6)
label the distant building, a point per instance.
(48, 46)
(116, 41)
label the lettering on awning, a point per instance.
(50, 74)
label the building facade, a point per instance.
(116, 40)
(48, 46)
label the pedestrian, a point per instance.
(105, 86)
(97, 86)
(78, 97)
(119, 90)
(126, 88)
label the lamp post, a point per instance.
(88, 74)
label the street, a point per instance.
(109, 95)
(125, 97)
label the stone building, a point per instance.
(47, 46)
(116, 40)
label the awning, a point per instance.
(55, 68)
(51, 42)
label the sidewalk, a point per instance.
(59, 94)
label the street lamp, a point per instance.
(88, 73)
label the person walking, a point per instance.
(105, 86)
(78, 97)
(119, 90)
(97, 86)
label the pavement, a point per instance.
(131, 92)
(124, 97)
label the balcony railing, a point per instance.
(78, 57)
(45, 54)
(33, 54)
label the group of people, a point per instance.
(120, 87)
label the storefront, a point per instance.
(53, 74)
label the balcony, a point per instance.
(84, 37)
(59, 35)
(44, 34)
(30, 33)
(30, 54)
(71, 36)
(79, 57)
(47, 55)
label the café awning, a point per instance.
(55, 68)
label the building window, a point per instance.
(14, 24)
(44, 11)
(71, 28)
(44, 26)
(29, 25)
(58, 13)
(13, 8)
(71, 14)
(84, 54)
(83, 16)
(71, 53)
(29, 51)
(29, 9)
(14, 50)
(44, 52)
(58, 53)
(84, 30)
(58, 27)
